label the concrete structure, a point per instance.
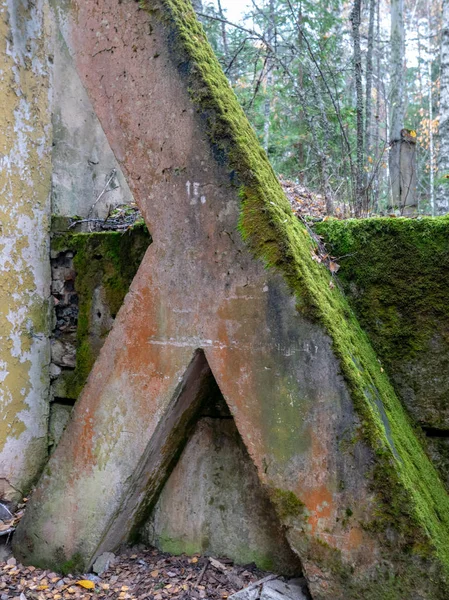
(86, 178)
(402, 159)
(25, 179)
(213, 502)
(54, 158)
(361, 504)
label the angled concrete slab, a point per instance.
(362, 506)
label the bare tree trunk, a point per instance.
(369, 78)
(397, 98)
(224, 35)
(300, 144)
(355, 21)
(377, 116)
(442, 195)
(431, 144)
(269, 80)
(267, 111)
(420, 83)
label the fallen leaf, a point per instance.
(86, 584)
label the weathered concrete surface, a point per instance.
(59, 417)
(200, 287)
(213, 503)
(25, 177)
(83, 162)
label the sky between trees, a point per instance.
(348, 98)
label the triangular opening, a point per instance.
(211, 500)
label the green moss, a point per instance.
(178, 546)
(395, 274)
(106, 260)
(73, 565)
(279, 239)
(59, 223)
(287, 504)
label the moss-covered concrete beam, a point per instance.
(363, 507)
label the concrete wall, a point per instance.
(25, 178)
(84, 166)
(54, 158)
(395, 275)
(91, 274)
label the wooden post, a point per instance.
(403, 173)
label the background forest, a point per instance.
(348, 100)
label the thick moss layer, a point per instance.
(396, 276)
(415, 502)
(107, 260)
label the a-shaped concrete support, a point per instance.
(361, 504)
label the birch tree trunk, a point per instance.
(376, 183)
(224, 35)
(442, 192)
(430, 95)
(369, 78)
(397, 98)
(355, 21)
(269, 81)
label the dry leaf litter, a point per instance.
(136, 574)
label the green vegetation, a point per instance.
(73, 565)
(286, 503)
(412, 499)
(108, 260)
(394, 272)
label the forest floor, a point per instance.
(135, 574)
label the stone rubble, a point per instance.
(103, 562)
(274, 588)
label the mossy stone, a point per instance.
(108, 260)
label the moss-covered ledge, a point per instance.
(396, 276)
(413, 499)
(105, 262)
